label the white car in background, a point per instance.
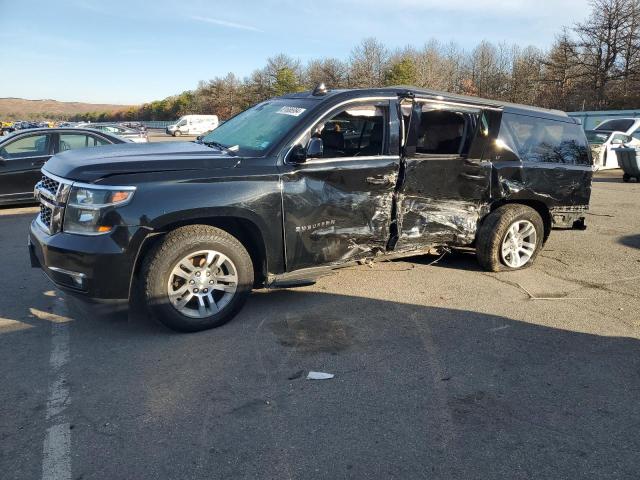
(610, 135)
(193, 125)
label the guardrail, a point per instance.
(153, 124)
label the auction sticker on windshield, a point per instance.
(293, 111)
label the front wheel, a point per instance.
(177, 133)
(510, 238)
(626, 178)
(196, 278)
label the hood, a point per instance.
(91, 164)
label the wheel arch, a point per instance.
(244, 229)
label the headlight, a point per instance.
(89, 208)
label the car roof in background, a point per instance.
(60, 129)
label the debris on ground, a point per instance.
(319, 376)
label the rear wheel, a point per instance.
(510, 238)
(196, 278)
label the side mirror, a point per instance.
(298, 154)
(617, 141)
(3, 162)
(315, 149)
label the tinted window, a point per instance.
(445, 132)
(71, 141)
(32, 146)
(616, 125)
(540, 140)
(357, 131)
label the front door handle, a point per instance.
(38, 163)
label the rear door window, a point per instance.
(72, 141)
(446, 130)
(541, 140)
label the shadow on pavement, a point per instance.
(419, 391)
(632, 241)
(456, 260)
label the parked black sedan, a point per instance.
(24, 152)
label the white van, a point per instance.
(193, 125)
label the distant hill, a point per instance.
(20, 108)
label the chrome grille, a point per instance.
(52, 192)
(45, 215)
(50, 185)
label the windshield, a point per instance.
(257, 129)
(597, 138)
(621, 125)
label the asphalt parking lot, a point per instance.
(441, 371)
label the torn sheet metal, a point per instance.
(428, 221)
(338, 212)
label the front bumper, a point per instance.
(96, 267)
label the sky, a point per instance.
(130, 52)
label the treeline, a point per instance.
(593, 65)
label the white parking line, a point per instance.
(56, 449)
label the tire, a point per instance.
(494, 234)
(626, 178)
(177, 133)
(164, 276)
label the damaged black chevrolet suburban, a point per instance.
(304, 183)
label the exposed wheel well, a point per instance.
(244, 230)
(539, 207)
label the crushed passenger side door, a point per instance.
(444, 187)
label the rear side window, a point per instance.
(544, 141)
(72, 141)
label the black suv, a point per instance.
(303, 183)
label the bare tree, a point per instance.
(331, 71)
(368, 64)
(601, 43)
(561, 73)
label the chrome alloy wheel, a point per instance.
(519, 244)
(202, 283)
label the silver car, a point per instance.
(136, 136)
